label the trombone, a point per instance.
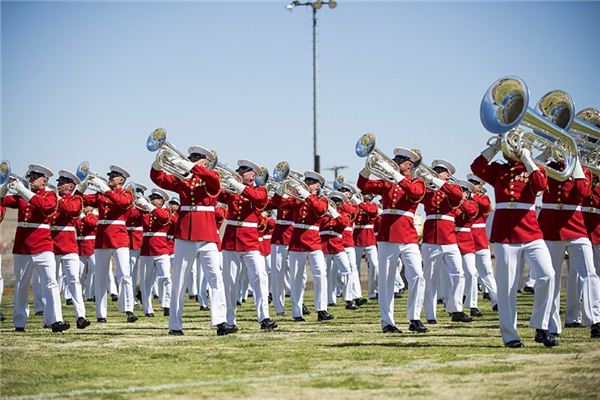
(157, 141)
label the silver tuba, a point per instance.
(289, 181)
(585, 130)
(504, 111)
(157, 141)
(376, 162)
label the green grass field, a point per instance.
(345, 358)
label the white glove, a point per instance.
(365, 172)
(492, 150)
(397, 176)
(18, 187)
(144, 204)
(99, 183)
(578, 171)
(332, 211)
(436, 182)
(527, 160)
(303, 193)
(82, 187)
(355, 199)
(184, 164)
(234, 184)
(3, 190)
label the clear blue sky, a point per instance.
(90, 81)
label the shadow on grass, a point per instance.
(413, 344)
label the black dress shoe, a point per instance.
(476, 313)
(331, 304)
(542, 336)
(19, 329)
(495, 308)
(281, 314)
(114, 297)
(2, 317)
(461, 317)
(360, 301)
(39, 313)
(225, 329)
(149, 315)
(101, 320)
(204, 308)
(191, 297)
(595, 331)
(239, 303)
(305, 310)
(432, 321)
(270, 298)
(529, 289)
(131, 317)
(268, 324)
(417, 326)
(138, 295)
(166, 311)
(69, 302)
(60, 326)
(82, 323)
(397, 295)
(351, 306)
(514, 344)
(486, 296)
(324, 316)
(390, 329)
(440, 301)
(573, 325)
(90, 300)
(299, 319)
(175, 332)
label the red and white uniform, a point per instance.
(483, 256)
(33, 248)
(465, 215)
(196, 238)
(265, 251)
(2, 212)
(351, 212)
(591, 215)
(86, 238)
(336, 257)
(516, 234)
(365, 242)
(135, 231)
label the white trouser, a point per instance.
(389, 254)
(257, 278)
(1, 280)
(111, 282)
(354, 277)
(39, 303)
(483, 263)
(471, 276)
(203, 287)
(338, 264)
(443, 284)
(123, 279)
(435, 257)
(60, 281)
(508, 261)
(243, 283)
(398, 280)
(596, 249)
(156, 268)
(574, 295)
(316, 259)
(88, 263)
(134, 256)
(372, 265)
(580, 258)
(530, 280)
(192, 280)
(280, 267)
(71, 270)
(269, 270)
(206, 255)
(45, 266)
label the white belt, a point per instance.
(364, 226)
(243, 224)
(478, 226)
(111, 222)
(592, 210)
(267, 236)
(63, 228)
(332, 233)
(308, 227)
(32, 225)
(568, 207)
(170, 236)
(135, 228)
(440, 216)
(158, 234)
(462, 229)
(403, 213)
(516, 206)
(260, 239)
(348, 229)
(91, 237)
(284, 222)
(197, 208)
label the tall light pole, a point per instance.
(315, 5)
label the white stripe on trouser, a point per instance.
(45, 266)
(354, 278)
(71, 271)
(389, 254)
(134, 256)
(88, 264)
(435, 257)
(122, 275)
(483, 263)
(156, 268)
(206, 254)
(471, 275)
(580, 257)
(316, 260)
(338, 265)
(372, 265)
(257, 278)
(508, 261)
(280, 267)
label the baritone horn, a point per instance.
(157, 141)
(6, 176)
(504, 111)
(585, 130)
(290, 182)
(376, 162)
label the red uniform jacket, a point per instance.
(112, 206)
(364, 225)
(198, 196)
(220, 216)
(440, 209)
(400, 202)
(284, 220)
(351, 212)
(465, 215)
(171, 232)
(86, 234)
(591, 214)
(561, 217)
(484, 205)
(30, 239)
(307, 216)
(331, 232)
(2, 212)
(135, 230)
(243, 215)
(513, 188)
(64, 221)
(156, 226)
(267, 235)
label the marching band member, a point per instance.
(113, 203)
(483, 256)
(86, 238)
(397, 238)
(2, 212)
(195, 234)
(135, 231)
(220, 217)
(155, 260)
(364, 240)
(245, 203)
(516, 233)
(64, 236)
(267, 235)
(562, 224)
(305, 243)
(33, 247)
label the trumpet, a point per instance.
(290, 182)
(377, 163)
(504, 111)
(6, 176)
(585, 131)
(157, 141)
